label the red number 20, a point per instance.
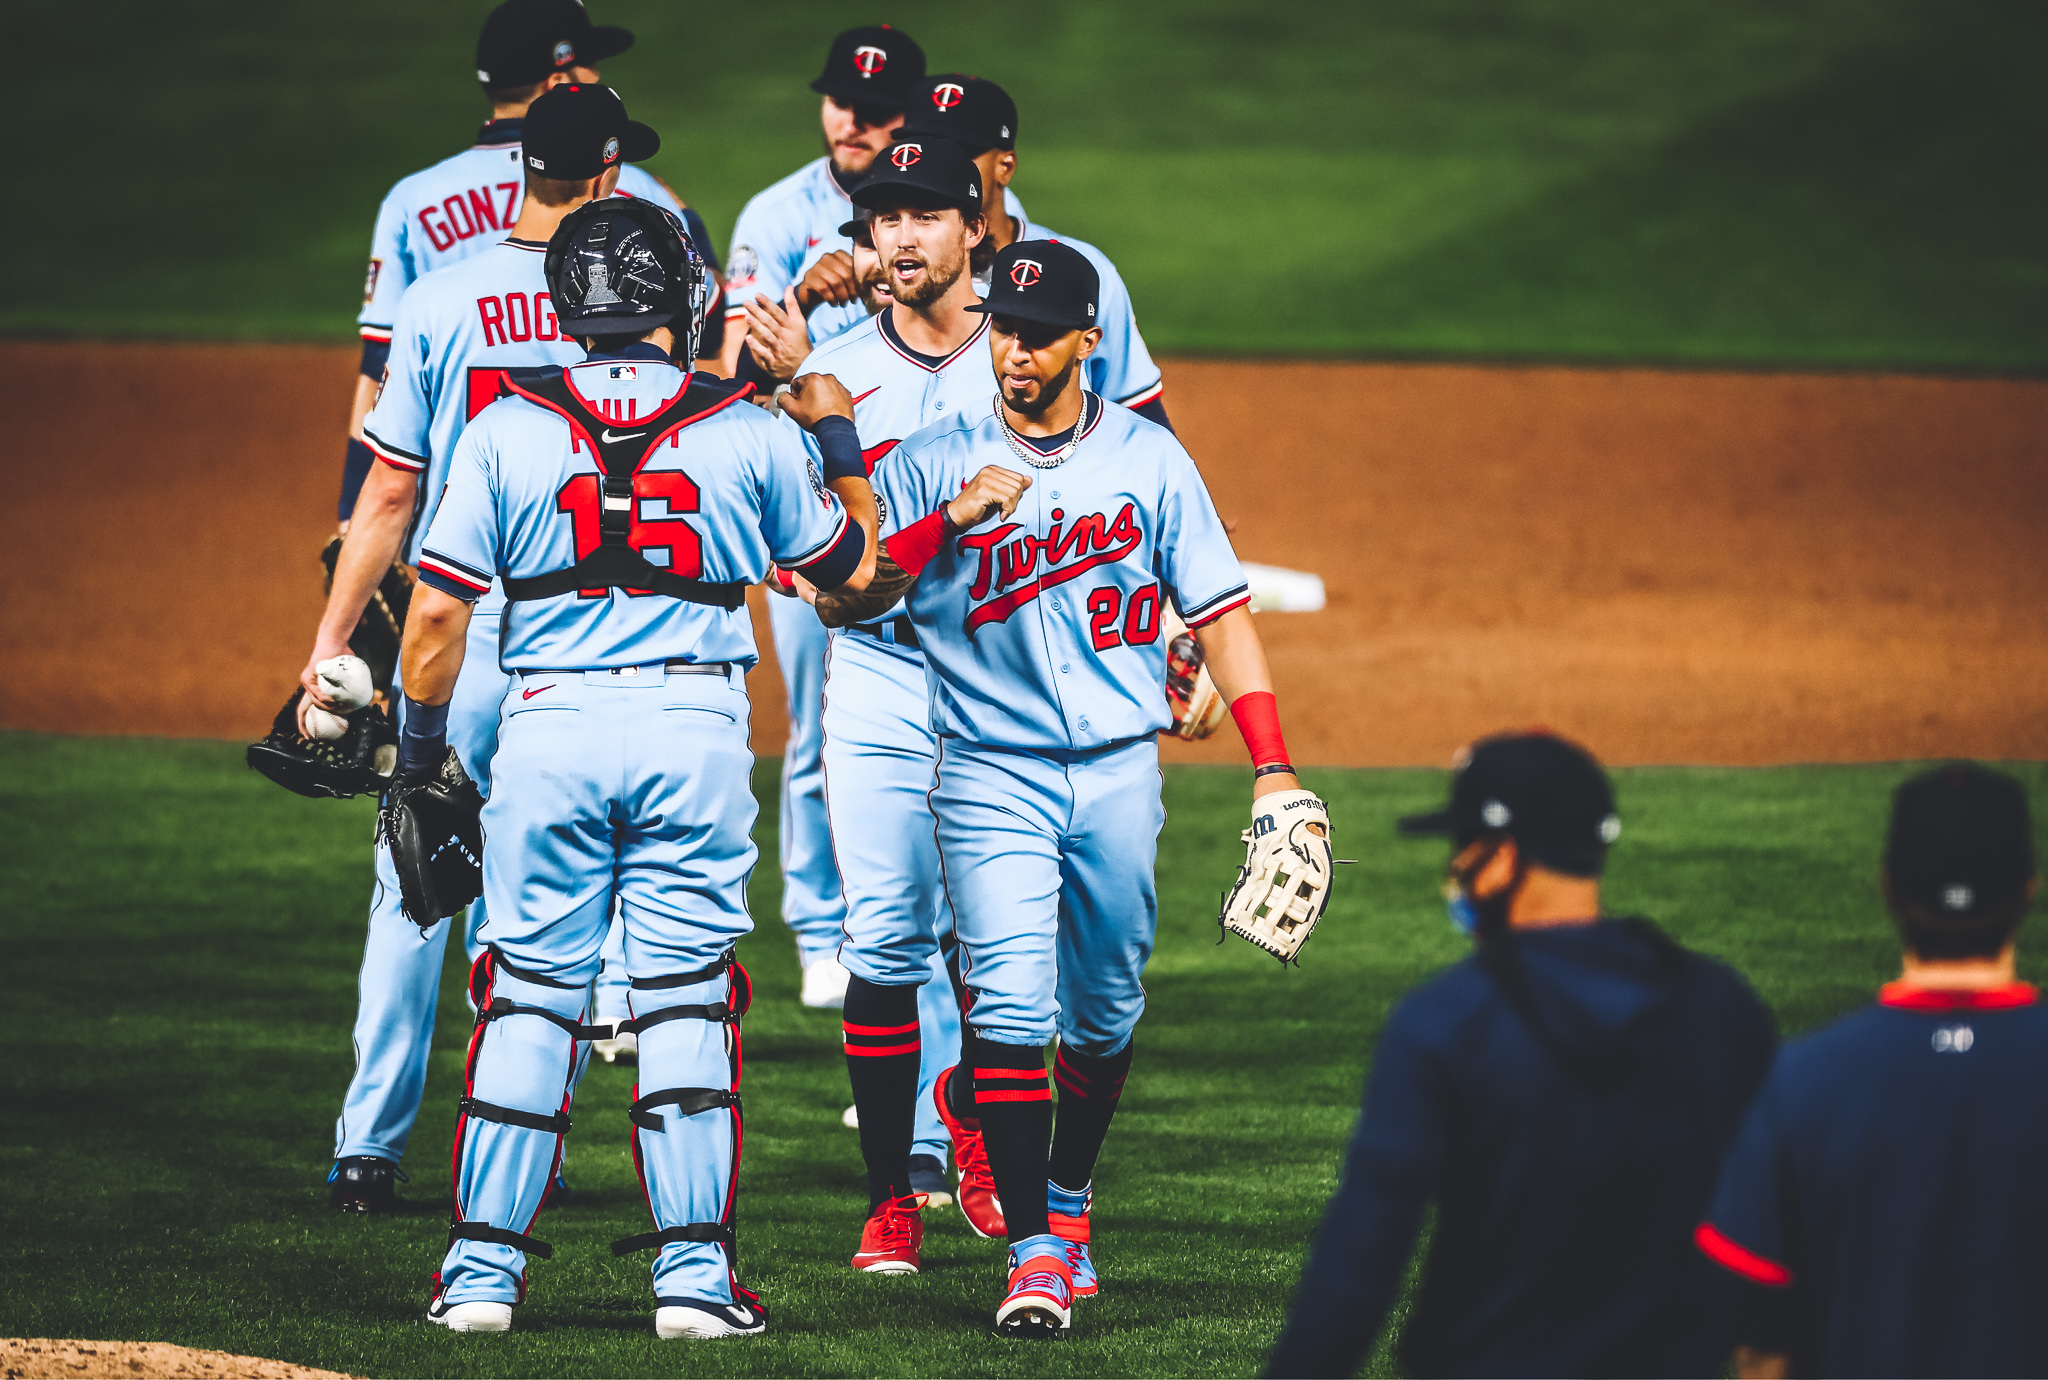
(579, 499)
(1141, 622)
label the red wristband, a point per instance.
(1258, 719)
(917, 545)
(782, 577)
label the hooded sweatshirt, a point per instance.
(1565, 1098)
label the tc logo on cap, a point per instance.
(611, 148)
(1025, 272)
(565, 53)
(868, 60)
(948, 94)
(904, 155)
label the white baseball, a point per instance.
(346, 681)
(321, 724)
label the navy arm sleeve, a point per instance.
(1155, 411)
(1368, 1233)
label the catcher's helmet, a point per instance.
(622, 266)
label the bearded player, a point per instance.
(921, 359)
(1042, 636)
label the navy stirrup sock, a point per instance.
(881, 1061)
(1089, 1088)
(1013, 1098)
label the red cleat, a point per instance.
(1074, 1231)
(890, 1240)
(977, 1195)
(1040, 1300)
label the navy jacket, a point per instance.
(1565, 1098)
(1889, 1192)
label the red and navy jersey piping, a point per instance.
(453, 578)
(1739, 1259)
(395, 456)
(931, 364)
(1143, 396)
(1202, 615)
(1906, 996)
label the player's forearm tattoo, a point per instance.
(840, 607)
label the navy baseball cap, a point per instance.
(574, 131)
(525, 41)
(1545, 793)
(1961, 839)
(926, 172)
(1043, 281)
(875, 64)
(974, 113)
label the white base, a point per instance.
(476, 1317)
(673, 1324)
(825, 985)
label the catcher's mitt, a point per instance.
(1284, 885)
(359, 762)
(434, 829)
(382, 625)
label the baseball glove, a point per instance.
(359, 762)
(434, 829)
(382, 625)
(1284, 884)
(1198, 708)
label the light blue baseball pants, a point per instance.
(879, 752)
(812, 905)
(609, 789)
(1048, 862)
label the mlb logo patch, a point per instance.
(627, 372)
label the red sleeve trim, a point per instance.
(382, 333)
(447, 571)
(1205, 619)
(1908, 997)
(918, 545)
(1258, 718)
(1747, 1263)
(1144, 395)
(393, 456)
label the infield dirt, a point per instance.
(1673, 567)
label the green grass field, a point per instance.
(1834, 182)
(183, 940)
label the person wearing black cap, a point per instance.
(979, 115)
(781, 230)
(920, 360)
(1040, 535)
(1564, 1096)
(455, 332)
(1883, 1208)
(468, 201)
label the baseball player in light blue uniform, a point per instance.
(1045, 655)
(780, 234)
(466, 202)
(457, 331)
(979, 115)
(622, 769)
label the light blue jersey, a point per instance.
(721, 498)
(783, 231)
(458, 330)
(445, 213)
(1042, 631)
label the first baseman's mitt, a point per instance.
(359, 762)
(434, 829)
(382, 625)
(1284, 885)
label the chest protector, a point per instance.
(620, 455)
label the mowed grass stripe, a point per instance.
(183, 940)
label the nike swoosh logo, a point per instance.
(610, 437)
(816, 240)
(858, 397)
(529, 694)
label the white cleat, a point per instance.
(850, 1118)
(621, 1044)
(701, 1321)
(825, 985)
(479, 1316)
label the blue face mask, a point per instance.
(1458, 906)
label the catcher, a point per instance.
(1040, 538)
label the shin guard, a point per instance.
(509, 1127)
(688, 1131)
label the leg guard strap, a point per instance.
(518, 1241)
(720, 1012)
(686, 1101)
(725, 961)
(714, 1233)
(512, 1116)
(501, 1007)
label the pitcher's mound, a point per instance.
(38, 1358)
